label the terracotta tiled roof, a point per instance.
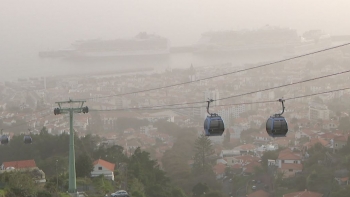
(344, 179)
(106, 164)
(341, 138)
(259, 193)
(314, 141)
(288, 155)
(303, 194)
(327, 136)
(219, 168)
(20, 164)
(247, 158)
(251, 167)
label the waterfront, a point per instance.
(31, 65)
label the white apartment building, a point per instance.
(318, 111)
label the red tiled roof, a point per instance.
(259, 193)
(314, 141)
(20, 164)
(288, 155)
(247, 158)
(344, 179)
(251, 167)
(341, 138)
(219, 168)
(106, 164)
(303, 194)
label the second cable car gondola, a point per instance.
(276, 125)
(27, 139)
(4, 139)
(213, 124)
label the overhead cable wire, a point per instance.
(224, 74)
(285, 85)
(248, 93)
(231, 104)
(24, 123)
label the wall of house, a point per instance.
(289, 173)
(280, 162)
(337, 145)
(100, 170)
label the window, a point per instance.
(290, 170)
(282, 161)
(99, 168)
(295, 161)
(336, 145)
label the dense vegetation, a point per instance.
(138, 174)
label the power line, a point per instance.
(244, 94)
(231, 104)
(229, 73)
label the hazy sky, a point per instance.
(45, 24)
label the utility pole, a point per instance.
(73, 107)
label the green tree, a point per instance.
(214, 194)
(137, 194)
(320, 179)
(137, 187)
(20, 184)
(147, 171)
(341, 193)
(84, 166)
(300, 183)
(268, 155)
(102, 185)
(43, 193)
(202, 149)
(199, 189)
(177, 192)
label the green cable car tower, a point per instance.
(70, 107)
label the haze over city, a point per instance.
(32, 26)
(165, 98)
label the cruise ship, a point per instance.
(268, 40)
(142, 45)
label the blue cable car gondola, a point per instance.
(276, 125)
(213, 124)
(27, 139)
(4, 139)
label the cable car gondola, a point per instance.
(213, 124)
(4, 139)
(276, 125)
(27, 139)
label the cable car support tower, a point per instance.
(70, 108)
